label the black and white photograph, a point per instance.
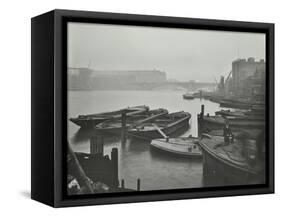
(154, 108)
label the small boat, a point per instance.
(197, 94)
(114, 126)
(89, 121)
(188, 96)
(235, 163)
(228, 112)
(184, 146)
(160, 127)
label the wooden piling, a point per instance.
(124, 128)
(96, 145)
(77, 171)
(202, 110)
(138, 185)
(114, 160)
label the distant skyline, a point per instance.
(184, 54)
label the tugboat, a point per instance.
(232, 162)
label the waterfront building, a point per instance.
(248, 77)
(79, 78)
(129, 76)
(85, 78)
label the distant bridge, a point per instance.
(189, 86)
(121, 85)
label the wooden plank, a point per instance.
(150, 118)
(160, 131)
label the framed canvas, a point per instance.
(134, 108)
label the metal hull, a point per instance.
(217, 172)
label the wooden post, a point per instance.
(96, 145)
(114, 161)
(138, 185)
(92, 144)
(77, 171)
(161, 132)
(124, 128)
(202, 110)
(200, 121)
(93, 125)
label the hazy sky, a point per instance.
(183, 54)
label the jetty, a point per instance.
(94, 172)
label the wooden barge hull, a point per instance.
(247, 115)
(116, 130)
(215, 99)
(235, 105)
(251, 133)
(154, 134)
(207, 124)
(87, 123)
(90, 121)
(219, 172)
(115, 126)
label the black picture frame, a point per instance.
(49, 106)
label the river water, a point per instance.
(157, 170)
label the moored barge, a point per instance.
(234, 163)
(161, 127)
(114, 126)
(207, 123)
(89, 121)
(235, 104)
(246, 115)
